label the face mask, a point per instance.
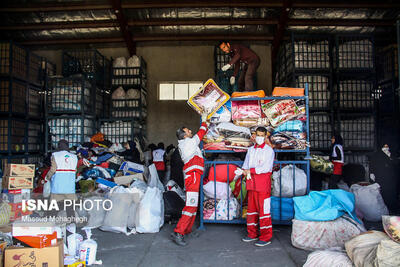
(386, 151)
(260, 140)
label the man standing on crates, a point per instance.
(257, 169)
(188, 145)
(243, 54)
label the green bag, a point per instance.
(319, 164)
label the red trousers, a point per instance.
(259, 216)
(192, 184)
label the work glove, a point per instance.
(226, 67)
(232, 80)
(204, 117)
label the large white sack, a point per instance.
(119, 62)
(362, 248)
(97, 213)
(132, 215)
(133, 61)
(138, 189)
(369, 201)
(116, 219)
(133, 94)
(286, 175)
(325, 258)
(222, 210)
(310, 235)
(223, 190)
(150, 213)
(388, 254)
(154, 180)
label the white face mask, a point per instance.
(386, 151)
(260, 140)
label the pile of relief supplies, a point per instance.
(329, 223)
(139, 203)
(234, 121)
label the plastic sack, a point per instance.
(282, 209)
(221, 191)
(238, 188)
(290, 126)
(279, 111)
(388, 254)
(362, 249)
(391, 224)
(88, 250)
(154, 181)
(150, 213)
(118, 93)
(208, 99)
(174, 187)
(319, 164)
(47, 189)
(331, 258)
(284, 178)
(309, 235)
(133, 62)
(74, 241)
(221, 173)
(369, 201)
(223, 114)
(116, 219)
(246, 110)
(5, 213)
(222, 210)
(132, 215)
(119, 62)
(133, 94)
(324, 205)
(96, 215)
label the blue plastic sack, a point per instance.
(92, 173)
(325, 205)
(290, 126)
(282, 209)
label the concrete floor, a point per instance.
(218, 245)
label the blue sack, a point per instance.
(325, 205)
(290, 126)
(92, 173)
(282, 209)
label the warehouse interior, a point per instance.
(346, 52)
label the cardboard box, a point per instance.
(39, 241)
(3, 246)
(128, 179)
(17, 182)
(16, 196)
(17, 212)
(24, 170)
(33, 228)
(52, 256)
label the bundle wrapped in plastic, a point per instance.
(279, 111)
(391, 224)
(133, 62)
(289, 140)
(332, 258)
(119, 62)
(283, 182)
(118, 94)
(223, 114)
(132, 94)
(319, 164)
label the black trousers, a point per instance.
(247, 75)
(333, 180)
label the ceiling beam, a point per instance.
(149, 38)
(280, 31)
(90, 5)
(198, 22)
(116, 4)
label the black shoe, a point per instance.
(178, 239)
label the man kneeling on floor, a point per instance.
(193, 168)
(257, 168)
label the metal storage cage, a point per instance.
(35, 136)
(13, 60)
(282, 205)
(354, 53)
(387, 65)
(388, 99)
(321, 131)
(34, 69)
(130, 108)
(36, 159)
(13, 95)
(355, 92)
(304, 54)
(88, 62)
(320, 89)
(47, 69)
(13, 135)
(75, 129)
(134, 77)
(120, 130)
(35, 102)
(73, 95)
(358, 131)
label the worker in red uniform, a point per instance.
(188, 145)
(337, 158)
(257, 169)
(243, 54)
